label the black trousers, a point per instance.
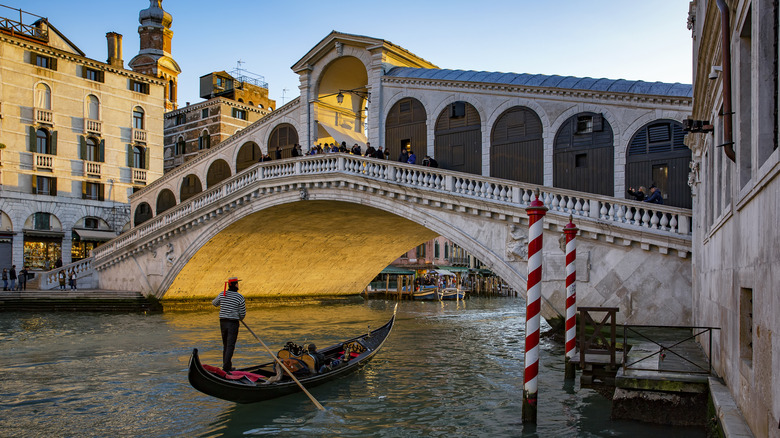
(229, 329)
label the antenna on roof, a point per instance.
(283, 91)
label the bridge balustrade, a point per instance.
(619, 212)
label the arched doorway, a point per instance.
(142, 214)
(342, 99)
(165, 200)
(190, 186)
(284, 137)
(218, 171)
(657, 154)
(458, 139)
(583, 155)
(516, 146)
(248, 155)
(405, 125)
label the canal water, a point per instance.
(450, 369)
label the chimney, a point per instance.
(115, 49)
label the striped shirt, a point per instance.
(231, 305)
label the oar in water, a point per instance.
(289, 373)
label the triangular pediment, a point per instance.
(393, 54)
(58, 40)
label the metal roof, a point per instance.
(551, 81)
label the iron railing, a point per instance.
(668, 347)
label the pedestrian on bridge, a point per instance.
(232, 309)
(655, 196)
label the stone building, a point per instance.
(234, 101)
(78, 137)
(736, 260)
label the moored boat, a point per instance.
(248, 385)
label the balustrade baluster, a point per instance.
(578, 207)
(612, 212)
(664, 221)
(620, 213)
(646, 219)
(603, 211)
(654, 220)
(555, 203)
(673, 224)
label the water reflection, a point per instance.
(451, 368)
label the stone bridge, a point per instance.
(327, 224)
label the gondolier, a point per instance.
(232, 309)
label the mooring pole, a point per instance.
(535, 212)
(570, 231)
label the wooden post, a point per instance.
(387, 285)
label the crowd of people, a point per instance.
(17, 281)
(406, 156)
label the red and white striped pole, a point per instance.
(535, 212)
(570, 231)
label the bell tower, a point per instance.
(154, 58)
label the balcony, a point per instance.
(139, 136)
(43, 162)
(92, 168)
(44, 116)
(93, 126)
(139, 176)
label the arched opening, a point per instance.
(583, 155)
(284, 137)
(248, 155)
(138, 118)
(43, 143)
(165, 200)
(42, 96)
(342, 96)
(204, 141)
(42, 240)
(458, 139)
(142, 214)
(88, 233)
(139, 157)
(92, 149)
(218, 171)
(657, 155)
(93, 107)
(405, 125)
(190, 186)
(516, 146)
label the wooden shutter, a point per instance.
(82, 147)
(129, 155)
(102, 151)
(33, 58)
(54, 142)
(53, 63)
(34, 184)
(146, 158)
(33, 139)
(101, 76)
(83, 190)
(84, 71)
(101, 195)
(53, 186)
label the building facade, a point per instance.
(234, 101)
(78, 135)
(734, 139)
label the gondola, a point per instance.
(247, 385)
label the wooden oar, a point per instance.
(289, 373)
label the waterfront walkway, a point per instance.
(74, 300)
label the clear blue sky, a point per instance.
(616, 39)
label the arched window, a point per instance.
(42, 141)
(165, 200)
(179, 150)
(42, 96)
(248, 155)
(285, 137)
(218, 171)
(92, 149)
(583, 154)
(190, 186)
(517, 147)
(405, 126)
(138, 118)
(93, 107)
(260, 105)
(139, 156)
(251, 103)
(142, 213)
(457, 143)
(204, 141)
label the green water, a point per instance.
(448, 369)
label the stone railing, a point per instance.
(93, 126)
(43, 161)
(139, 135)
(92, 168)
(139, 175)
(663, 220)
(44, 116)
(83, 268)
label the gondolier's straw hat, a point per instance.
(229, 281)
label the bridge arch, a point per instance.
(517, 146)
(165, 200)
(190, 186)
(219, 170)
(458, 138)
(247, 155)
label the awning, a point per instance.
(340, 134)
(98, 235)
(44, 233)
(396, 271)
(444, 272)
(455, 268)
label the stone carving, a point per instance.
(693, 175)
(339, 48)
(304, 194)
(169, 257)
(516, 244)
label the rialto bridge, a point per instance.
(327, 224)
